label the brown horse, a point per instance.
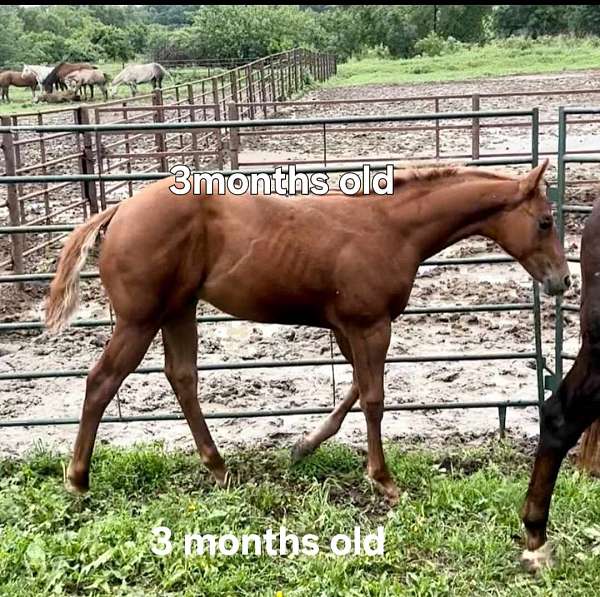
(572, 408)
(56, 77)
(343, 263)
(16, 79)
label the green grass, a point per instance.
(455, 531)
(21, 100)
(509, 57)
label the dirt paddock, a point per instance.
(293, 387)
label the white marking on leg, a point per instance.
(538, 559)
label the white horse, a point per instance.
(135, 74)
(39, 71)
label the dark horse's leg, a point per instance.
(565, 416)
(332, 424)
(122, 355)
(180, 339)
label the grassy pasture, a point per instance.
(455, 531)
(509, 57)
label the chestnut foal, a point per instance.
(343, 263)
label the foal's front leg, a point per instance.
(369, 347)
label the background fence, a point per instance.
(272, 78)
(529, 118)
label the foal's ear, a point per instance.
(531, 180)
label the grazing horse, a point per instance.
(135, 74)
(56, 77)
(269, 260)
(39, 71)
(17, 79)
(87, 77)
(571, 409)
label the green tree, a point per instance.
(10, 39)
(585, 19)
(238, 31)
(464, 22)
(114, 43)
(531, 19)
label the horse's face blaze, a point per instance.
(530, 235)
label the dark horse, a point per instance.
(343, 263)
(572, 408)
(56, 77)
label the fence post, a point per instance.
(234, 137)
(48, 221)
(218, 135)
(18, 165)
(127, 148)
(234, 86)
(160, 140)
(263, 90)
(194, 139)
(475, 130)
(251, 96)
(296, 77)
(13, 200)
(281, 80)
(272, 85)
(86, 161)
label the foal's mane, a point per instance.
(433, 173)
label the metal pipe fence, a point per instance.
(15, 232)
(566, 157)
(424, 103)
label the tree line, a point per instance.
(51, 33)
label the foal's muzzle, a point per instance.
(554, 286)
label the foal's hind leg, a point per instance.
(123, 354)
(332, 424)
(180, 339)
(565, 416)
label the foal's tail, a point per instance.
(64, 290)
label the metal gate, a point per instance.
(564, 158)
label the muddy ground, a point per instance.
(293, 387)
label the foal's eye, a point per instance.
(545, 223)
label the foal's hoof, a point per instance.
(386, 488)
(300, 450)
(223, 479)
(75, 484)
(538, 559)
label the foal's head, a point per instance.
(525, 229)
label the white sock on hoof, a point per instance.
(537, 559)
